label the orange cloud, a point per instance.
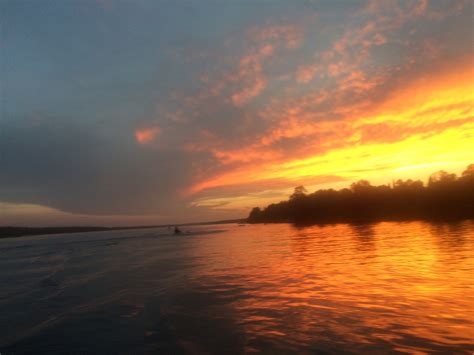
(247, 80)
(250, 74)
(265, 41)
(366, 117)
(351, 51)
(427, 122)
(146, 135)
(306, 73)
(246, 94)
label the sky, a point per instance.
(151, 112)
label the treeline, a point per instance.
(445, 197)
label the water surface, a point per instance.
(386, 287)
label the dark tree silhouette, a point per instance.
(446, 196)
(300, 191)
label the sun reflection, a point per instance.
(325, 283)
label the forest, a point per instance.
(444, 197)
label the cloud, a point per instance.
(241, 200)
(250, 75)
(307, 73)
(432, 118)
(246, 94)
(79, 167)
(256, 105)
(248, 80)
(146, 135)
(357, 107)
(291, 35)
(267, 40)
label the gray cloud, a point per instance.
(76, 167)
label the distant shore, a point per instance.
(364, 221)
(445, 197)
(14, 231)
(11, 232)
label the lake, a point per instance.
(384, 287)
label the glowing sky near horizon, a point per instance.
(155, 112)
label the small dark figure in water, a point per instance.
(177, 230)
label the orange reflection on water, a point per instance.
(387, 286)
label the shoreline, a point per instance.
(16, 232)
(366, 221)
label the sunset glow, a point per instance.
(426, 126)
(213, 177)
(219, 113)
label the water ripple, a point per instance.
(384, 288)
